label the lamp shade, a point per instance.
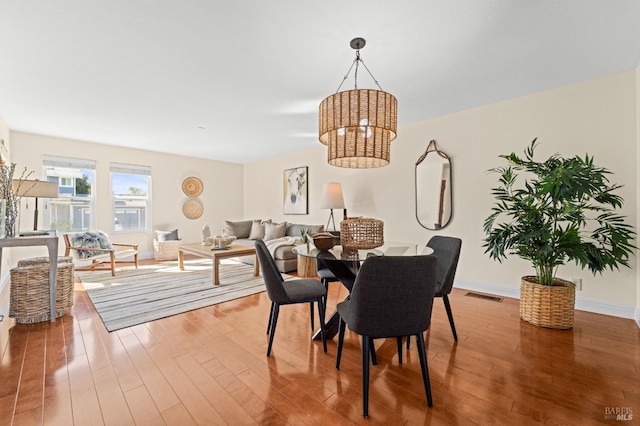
(332, 196)
(35, 188)
(358, 127)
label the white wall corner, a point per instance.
(4, 296)
(582, 304)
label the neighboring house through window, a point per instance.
(130, 197)
(74, 209)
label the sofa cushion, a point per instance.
(295, 229)
(274, 230)
(257, 229)
(239, 229)
(167, 235)
(284, 253)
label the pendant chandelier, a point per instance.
(358, 125)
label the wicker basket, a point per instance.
(361, 233)
(29, 296)
(166, 250)
(547, 306)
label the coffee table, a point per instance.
(234, 250)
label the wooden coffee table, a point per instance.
(234, 250)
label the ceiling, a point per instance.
(241, 80)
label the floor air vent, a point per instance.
(484, 296)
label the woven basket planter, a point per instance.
(29, 296)
(166, 250)
(547, 306)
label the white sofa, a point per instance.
(248, 231)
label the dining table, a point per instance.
(345, 263)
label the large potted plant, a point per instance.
(549, 213)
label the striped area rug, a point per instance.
(151, 292)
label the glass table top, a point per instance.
(388, 249)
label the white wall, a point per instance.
(222, 195)
(597, 117)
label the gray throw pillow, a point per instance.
(257, 230)
(167, 235)
(240, 229)
(274, 230)
(295, 229)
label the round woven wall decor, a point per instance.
(192, 186)
(192, 209)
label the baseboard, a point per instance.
(582, 303)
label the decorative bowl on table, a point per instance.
(323, 240)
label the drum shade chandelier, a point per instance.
(358, 125)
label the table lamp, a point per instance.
(35, 189)
(332, 199)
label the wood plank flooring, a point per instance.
(209, 367)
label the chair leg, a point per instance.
(326, 293)
(399, 340)
(113, 264)
(341, 328)
(372, 349)
(311, 315)
(422, 354)
(447, 306)
(274, 321)
(365, 375)
(321, 310)
(408, 342)
(270, 317)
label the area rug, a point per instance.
(151, 292)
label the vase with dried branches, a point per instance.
(8, 195)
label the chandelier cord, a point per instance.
(356, 62)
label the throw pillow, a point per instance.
(240, 229)
(274, 230)
(96, 239)
(295, 229)
(167, 235)
(257, 229)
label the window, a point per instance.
(130, 196)
(74, 209)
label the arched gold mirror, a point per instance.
(433, 188)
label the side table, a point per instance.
(307, 266)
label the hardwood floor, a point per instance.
(209, 367)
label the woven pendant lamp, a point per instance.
(358, 125)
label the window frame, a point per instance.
(80, 165)
(129, 169)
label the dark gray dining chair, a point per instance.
(447, 251)
(392, 297)
(283, 292)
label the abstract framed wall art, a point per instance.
(295, 191)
